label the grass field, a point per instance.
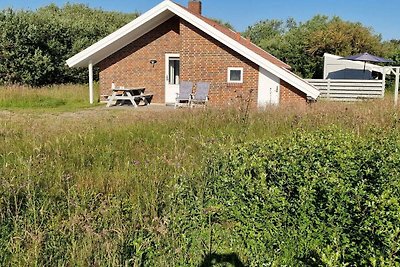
(65, 98)
(90, 186)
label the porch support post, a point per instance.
(91, 93)
(383, 82)
(396, 88)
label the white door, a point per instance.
(172, 73)
(268, 89)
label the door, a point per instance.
(268, 89)
(172, 75)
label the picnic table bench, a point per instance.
(134, 95)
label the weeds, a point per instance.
(109, 187)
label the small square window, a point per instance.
(235, 75)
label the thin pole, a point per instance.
(396, 88)
(91, 94)
(365, 63)
(383, 82)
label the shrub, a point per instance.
(185, 190)
(34, 45)
(327, 198)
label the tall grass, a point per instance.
(64, 97)
(95, 187)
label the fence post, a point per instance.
(396, 88)
(383, 82)
(328, 91)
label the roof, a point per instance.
(166, 10)
(243, 41)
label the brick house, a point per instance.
(171, 43)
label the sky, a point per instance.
(383, 16)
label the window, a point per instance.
(235, 75)
(174, 70)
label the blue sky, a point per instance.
(383, 16)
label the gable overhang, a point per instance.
(122, 37)
(161, 13)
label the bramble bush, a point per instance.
(328, 198)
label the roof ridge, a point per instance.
(250, 45)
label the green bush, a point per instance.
(327, 198)
(34, 45)
(174, 191)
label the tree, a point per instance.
(224, 23)
(344, 38)
(392, 49)
(35, 44)
(296, 42)
(303, 45)
(266, 29)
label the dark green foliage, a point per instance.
(268, 30)
(34, 45)
(322, 199)
(393, 48)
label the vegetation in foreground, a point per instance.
(117, 187)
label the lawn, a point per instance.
(90, 186)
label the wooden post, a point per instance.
(91, 93)
(328, 92)
(396, 88)
(383, 82)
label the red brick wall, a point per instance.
(130, 66)
(205, 59)
(291, 95)
(202, 59)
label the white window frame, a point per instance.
(229, 75)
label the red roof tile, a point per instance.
(243, 41)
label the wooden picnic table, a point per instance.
(132, 94)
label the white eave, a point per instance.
(161, 13)
(123, 36)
